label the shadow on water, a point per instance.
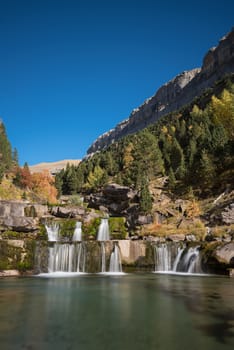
(215, 307)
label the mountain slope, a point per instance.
(178, 92)
(53, 167)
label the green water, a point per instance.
(130, 312)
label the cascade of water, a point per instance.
(166, 255)
(162, 257)
(77, 235)
(115, 260)
(177, 259)
(67, 258)
(103, 231)
(190, 261)
(173, 257)
(103, 256)
(52, 231)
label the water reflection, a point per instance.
(130, 312)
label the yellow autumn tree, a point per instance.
(222, 110)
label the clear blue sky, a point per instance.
(72, 69)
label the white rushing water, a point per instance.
(115, 260)
(103, 231)
(77, 235)
(67, 258)
(52, 231)
(103, 257)
(172, 257)
(166, 255)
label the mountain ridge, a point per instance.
(174, 94)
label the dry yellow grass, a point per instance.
(53, 167)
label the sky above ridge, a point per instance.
(71, 70)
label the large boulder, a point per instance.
(67, 212)
(36, 210)
(10, 208)
(19, 224)
(227, 215)
(118, 193)
(225, 253)
(115, 198)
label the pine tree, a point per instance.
(145, 197)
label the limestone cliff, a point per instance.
(178, 92)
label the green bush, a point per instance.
(117, 227)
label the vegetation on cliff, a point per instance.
(192, 147)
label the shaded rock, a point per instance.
(67, 212)
(118, 193)
(115, 198)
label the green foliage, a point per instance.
(91, 228)
(193, 147)
(145, 197)
(117, 227)
(6, 160)
(66, 228)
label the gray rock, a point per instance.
(20, 224)
(227, 214)
(176, 93)
(36, 210)
(144, 219)
(67, 212)
(11, 208)
(225, 253)
(117, 192)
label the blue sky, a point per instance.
(72, 69)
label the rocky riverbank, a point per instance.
(24, 242)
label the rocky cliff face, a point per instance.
(176, 93)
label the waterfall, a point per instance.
(177, 259)
(190, 261)
(115, 260)
(172, 257)
(103, 257)
(52, 231)
(77, 235)
(165, 256)
(103, 231)
(67, 258)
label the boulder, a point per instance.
(11, 208)
(20, 224)
(225, 253)
(36, 210)
(119, 193)
(144, 219)
(67, 212)
(227, 215)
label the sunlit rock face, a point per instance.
(175, 94)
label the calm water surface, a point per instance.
(130, 312)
